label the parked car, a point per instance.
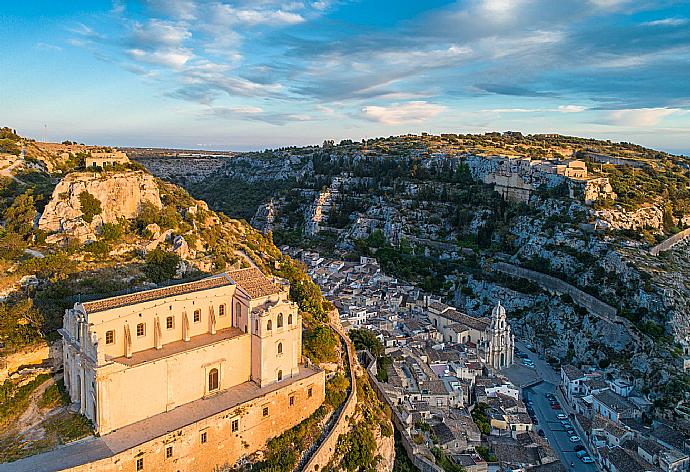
(587, 459)
(565, 423)
(574, 439)
(579, 447)
(562, 416)
(541, 433)
(556, 406)
(550, 396)
(581, 454)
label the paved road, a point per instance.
(558, 438)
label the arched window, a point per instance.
(280, 320)
(213, 380)
(280, 375)
(290, 319)
(280, 348)
(269, 325)
(238, 312)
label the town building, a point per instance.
(106, 159)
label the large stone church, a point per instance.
(190, 376)
(492, 337)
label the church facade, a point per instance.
(227, 347)
(492, 337)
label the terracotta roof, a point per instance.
(155, 294)
(254, 282)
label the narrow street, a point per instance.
(555, 433)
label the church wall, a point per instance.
(162, 385)
(115, 319)
(223, 446)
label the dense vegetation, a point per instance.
(365, 339)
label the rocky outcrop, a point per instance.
(121, 195)
(644, 218)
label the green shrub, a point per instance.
(161, 265)
(90, 206)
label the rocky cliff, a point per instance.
(121, 195)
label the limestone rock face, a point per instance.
(646, 217)
(121, 195)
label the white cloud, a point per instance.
(175, 58)
(560, 109)
(667, 22)
(247, 109)
(181, 9)
(609, 4)
(571, 108)
(159, 32)
(228, 15)
(47, 47)
(640, 117)
(400, 113)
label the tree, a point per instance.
(20, 215)
(161, 265)
(90, 206)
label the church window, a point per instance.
(280, 348)
(213, 380)
(290, 319)
(221, 310)
(235, 425)
(110, 337)
(269, 325)
(292, 400)
(168, 452)
(280, 320)
(169, 322)
(280, 375)
(204, 437)
(141, 329)
(309, 392)
(197, 316)
(140, 464)
(265, 411)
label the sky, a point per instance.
(254, 74)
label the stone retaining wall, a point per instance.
(30, 356)
(670, 242)
(324, 453)
(585, 300)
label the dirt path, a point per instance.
(34, 415)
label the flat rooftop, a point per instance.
(97, 448)
(175, 347)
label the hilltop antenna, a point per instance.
(45, 133)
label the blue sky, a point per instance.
(263, 73)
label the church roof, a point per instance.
(155, 294)
(480, 324)
(250, 280)
(254, 282)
